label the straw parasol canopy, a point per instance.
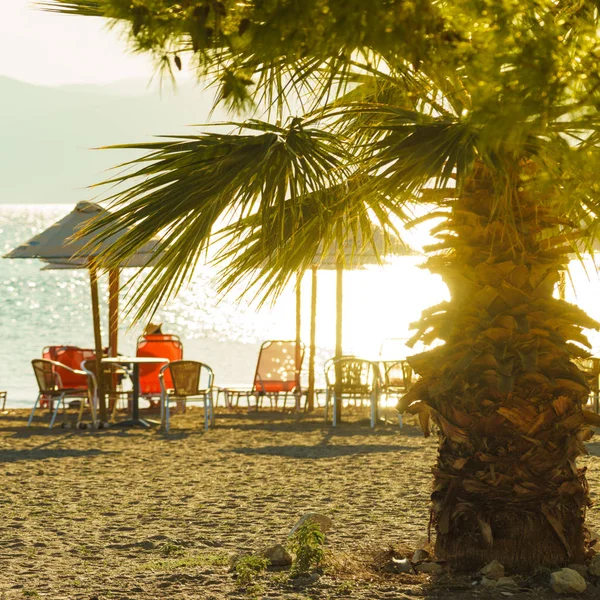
(61, 247)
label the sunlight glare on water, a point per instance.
(40, 308)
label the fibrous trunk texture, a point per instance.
(503, 389)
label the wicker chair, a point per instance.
(395, 379)
(191, 379)
(51, 387)
(358, 382)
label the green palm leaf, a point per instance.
(184, 187)
(342, 221)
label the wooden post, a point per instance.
(339, 271)
(113, 312)
(97, 337)
(298, 357)
(310, 399)
(113, 332)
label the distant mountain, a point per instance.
(48, 133)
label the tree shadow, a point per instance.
(321, 450)
(297, 423)
(42, 453)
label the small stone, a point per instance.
(493, 570)
(277, 555)
(581, 569)
(324, 522)
(506, 582)
(432, 568)
(486, 582)
(420, 555)
(567, 581)
(398, 565)
(594, 568)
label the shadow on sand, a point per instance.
(321, 450)
(41, 453)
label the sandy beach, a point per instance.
(137, 514)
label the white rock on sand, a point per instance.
(277, 555)
(324, 522)
(493, 570)
(567, 581)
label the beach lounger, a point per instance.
(358, 382)
(48, 374)
(188, 379)
(162, 345)
(277, 376)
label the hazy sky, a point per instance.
(46, 48)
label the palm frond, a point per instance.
(341, 222)
(84, 8)
(184, 187)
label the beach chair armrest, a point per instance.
(57, 364)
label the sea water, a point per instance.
(39, 308)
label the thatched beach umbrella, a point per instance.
(61, 247)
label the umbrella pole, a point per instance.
(113, 331)
(310, 399)
(298, 357)
(97, 337)
(113, 312)
(339, 272)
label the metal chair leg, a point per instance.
(33, 410)
(326, 405)
(373, 409)
(400, 420)
(93, 411)
(162, 411)
(212, 409)
(334, 411)
(61, 399)
(166, 413)
(206, 411)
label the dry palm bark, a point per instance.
(503, 389)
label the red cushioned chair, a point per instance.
(163, 345)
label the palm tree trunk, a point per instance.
(503, 390)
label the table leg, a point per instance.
(135, 420)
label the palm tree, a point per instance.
(497, 125)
